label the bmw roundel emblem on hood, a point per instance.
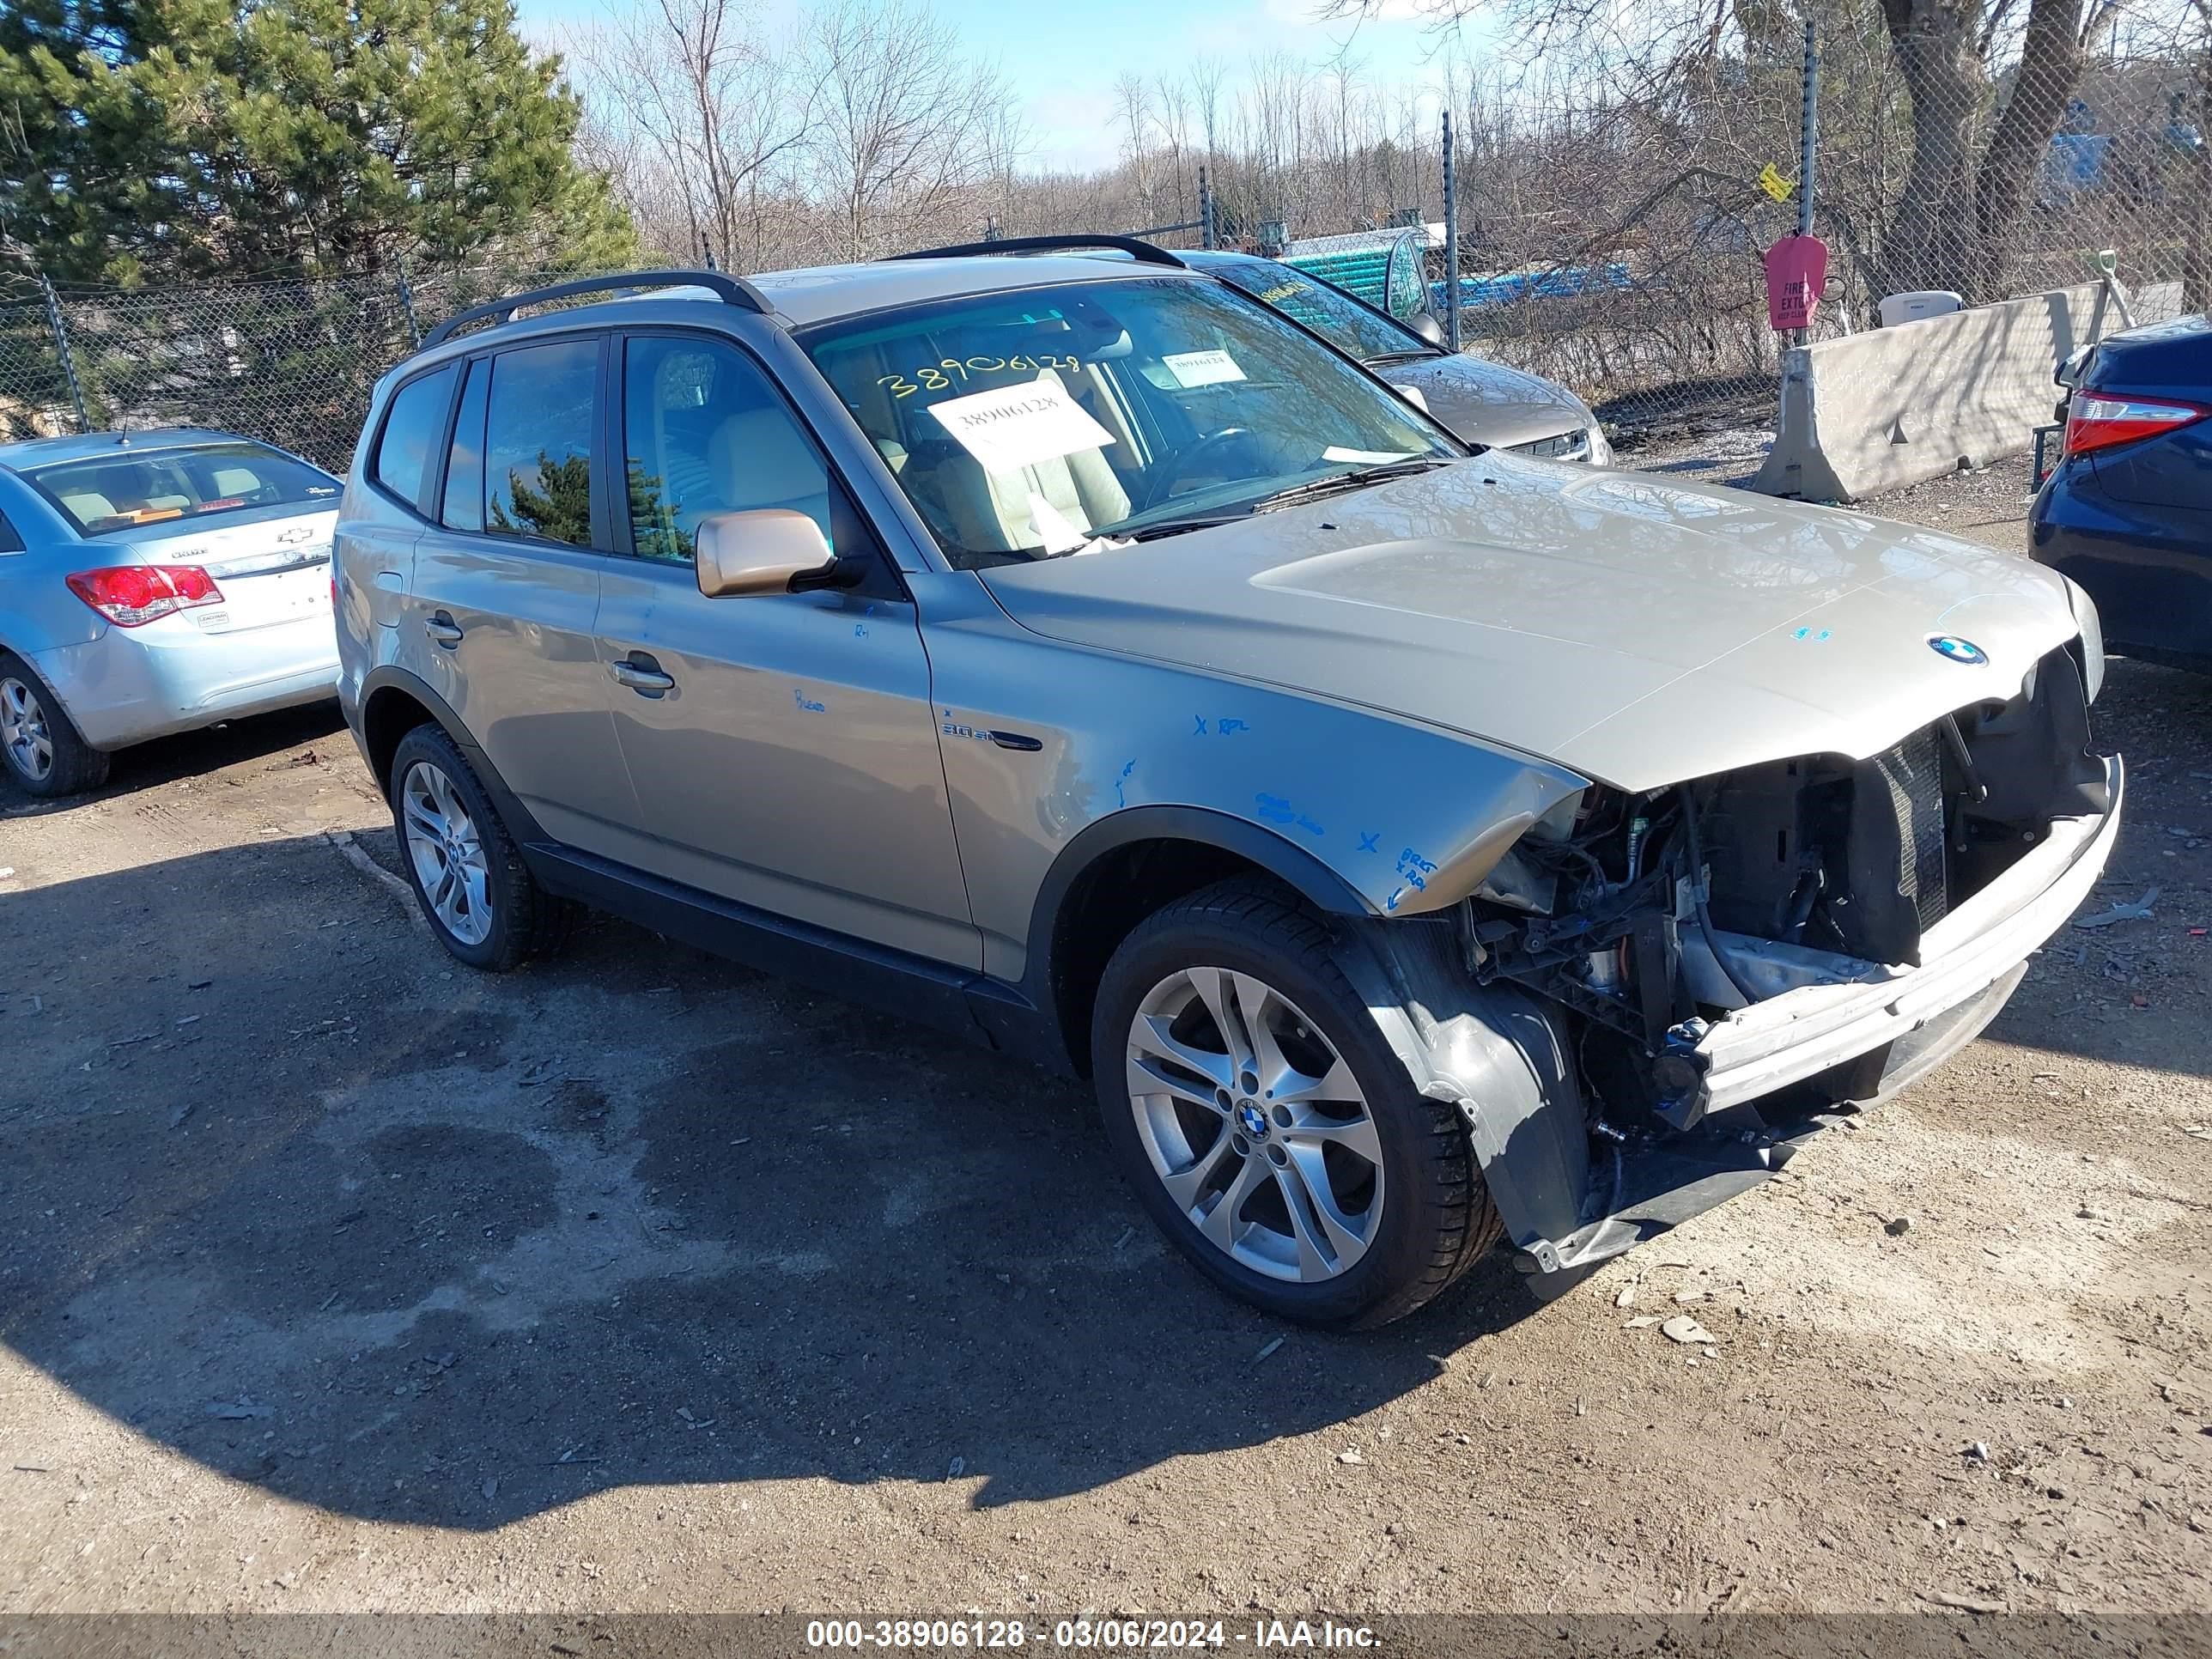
(1958, 650)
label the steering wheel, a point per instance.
(1192, 460)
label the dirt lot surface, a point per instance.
(335, 1276)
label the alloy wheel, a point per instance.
(1256, 1125)
(24, 733)
(447, 852)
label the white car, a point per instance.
(153, 582)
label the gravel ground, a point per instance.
(335, 1276)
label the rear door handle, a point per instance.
(642, 675)
(443, 630)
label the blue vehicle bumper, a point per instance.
(2147, 565)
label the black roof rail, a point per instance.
(732, 290)
(1137, 248)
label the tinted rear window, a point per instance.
(129, 488)
(414, 425)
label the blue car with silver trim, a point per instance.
(2127, 512)
(153, 582)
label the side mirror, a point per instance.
(1425, 324)
(765, 551)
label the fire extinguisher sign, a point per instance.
(1796, 272)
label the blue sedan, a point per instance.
(153, 582)
(2128, 510)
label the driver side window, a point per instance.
(704, 433)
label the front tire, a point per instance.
(39, 746)
(1267, 1126)
(468, 875)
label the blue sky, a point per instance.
(1064, 56)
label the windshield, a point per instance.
(1354, 328)
(1034, 423)
(125, 488)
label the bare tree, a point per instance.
(1133, 108)
(1206, 76)
(1986, 83)
(692, 110)
(1173, 100)
(906, 123)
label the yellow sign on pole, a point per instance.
(1771, 181)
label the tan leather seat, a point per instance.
(758, 459)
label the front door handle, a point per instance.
(443, 631)
(642, 675)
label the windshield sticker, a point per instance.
(1019, 425)
(1197, 368)
(1364, 456)
(943, 374)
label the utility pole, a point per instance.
(62, 351)
(1451, 239)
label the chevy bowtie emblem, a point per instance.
(298, 533)
(1958, 650)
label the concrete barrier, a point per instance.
(1873, 411)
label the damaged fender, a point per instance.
(1495, 1054)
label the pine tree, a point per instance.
(156, 140)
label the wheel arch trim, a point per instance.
(1040, 1033)
(521, 824)
(1315, 883)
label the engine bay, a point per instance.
(1649, 919)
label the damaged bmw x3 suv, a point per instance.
(1415, 846)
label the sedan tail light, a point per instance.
(131, 595)
(2097, 422)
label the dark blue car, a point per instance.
(2127, 512)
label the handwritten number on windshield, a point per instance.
(936, 376)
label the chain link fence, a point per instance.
(1615, 243)
(290, 362)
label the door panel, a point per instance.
(783, 747)
(792, 765)
(523, 673)
(506, 594)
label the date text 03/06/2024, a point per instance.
(1125, 1635)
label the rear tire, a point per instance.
(40, 748)
(477, 893)
(1299, 1169)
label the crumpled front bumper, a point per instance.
(1799, 1034)
(1914, 1018)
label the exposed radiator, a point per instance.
(1914, 772)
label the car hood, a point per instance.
(1487, 402)
(1639, 632)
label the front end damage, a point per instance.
(1694, 980)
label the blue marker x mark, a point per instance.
(1200, 718)
(1367, 843)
